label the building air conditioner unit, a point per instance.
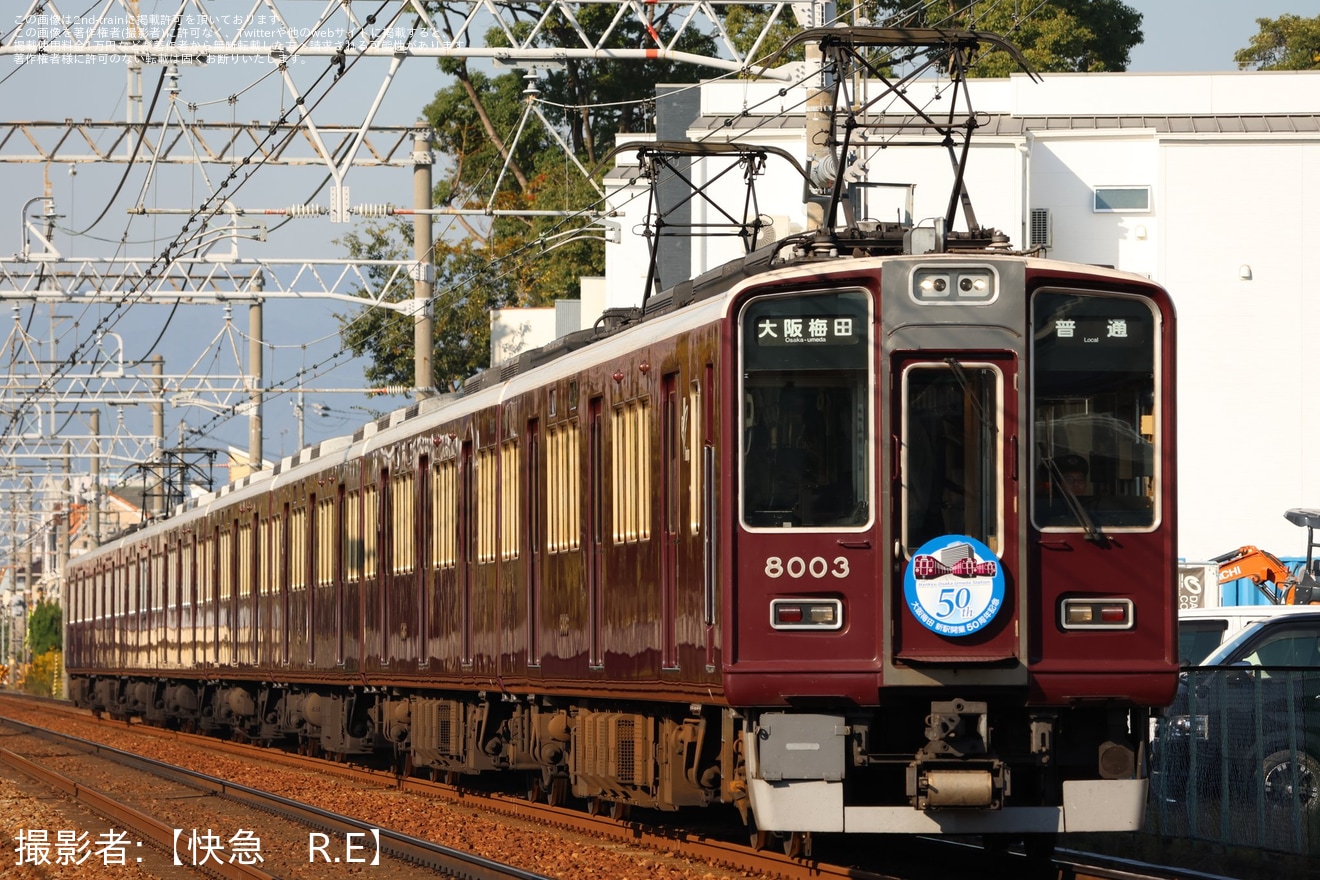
(1040, 231)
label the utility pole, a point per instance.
(423, 280)
(27, 571)
(157, 506)
(255, 370)
(94, 503)
(822, 163)
(63, 515)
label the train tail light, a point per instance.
(826, 614)
(1096, 614)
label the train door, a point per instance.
(467, 530)
(141, 636)
(338, 618)
(261, 637)
(385, 581)
(424, 571)
(956, 509)
(245, 630)
(703, 507)
(188, 572)
(671, 476)
(595, 528)
(285, 573)
(532, 516)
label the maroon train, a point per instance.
(669, 562)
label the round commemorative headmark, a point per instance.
(954, 585)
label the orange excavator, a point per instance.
(1270, 575)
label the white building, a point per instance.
(1208, 183)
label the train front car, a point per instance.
(953, 569)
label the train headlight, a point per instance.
(1096, 614)
(823, 614)
(954, 285)
(934, 286)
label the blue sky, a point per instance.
(1201, 35)
(1180, 35)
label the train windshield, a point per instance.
(951, 451)
(1093, 411)
(806, 410)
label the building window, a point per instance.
(1110, 199)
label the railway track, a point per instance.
(839, 857)
(287, 826)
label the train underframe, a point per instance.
(915, 766)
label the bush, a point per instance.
(44, 676)
(45, 628)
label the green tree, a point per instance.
(1088, 36)
(467, 288)
(1288, 42)
(486, 261)
(45, 628)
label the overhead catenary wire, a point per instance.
(508, 262)
(208, 209)
(534, 247)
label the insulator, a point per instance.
(373, 210)
(311, 210)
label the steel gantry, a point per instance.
(54, 391)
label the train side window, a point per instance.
(264, 567)
(245, 560)
(298, 550)
(370, 535)
(487, 503)
(327, 542)
(444, 520)
(510, 494)
(630, 472)
(353, 536)
(692, 443)
(1094, 410)
(403, 516)
(563, 488)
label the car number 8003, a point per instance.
(816, 566)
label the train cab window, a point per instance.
(806, 410)
(951, 452)
(1094, 411)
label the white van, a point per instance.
(1202, 630)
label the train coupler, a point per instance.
(935, 785)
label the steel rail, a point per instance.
(452, 862)
(107, 806)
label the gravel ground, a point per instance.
(553, 852)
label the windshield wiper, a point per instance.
(960, 376)
(1070, 498)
